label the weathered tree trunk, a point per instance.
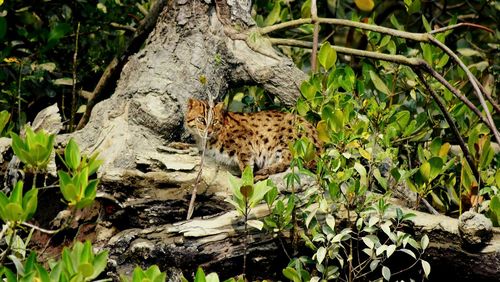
(146, 182)
(188, 43)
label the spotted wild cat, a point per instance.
(260, 140)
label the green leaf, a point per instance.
(426, 267)
(425, 171)
(495, 205)
(4, 115)
(443, 61)
(414, 7)
(386, 273)
(291, 274)
(327, 56)
(68, 189)
(320, 254)
(30, 202)
(381, 180)
(200, 276)
(138, 274)
(86, 269)
(212, 277)
(13, 212)
(427, 52)
(99, 264)
(362, 173)
(436, 164)
(402, 119)
(427, 26)
(424, 242)
(308, 90)
(435, 146)
(72, 155)
(379, 84)
(19, 147)
(56, 33)
(271, 196)
(16, 195)
(42, 273)
(385, 40)
(274, 15)
(337, 122)
(247, 176)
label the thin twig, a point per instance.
(204, 139)
(452, 125)
(123, 27)
(43, 230)
(73, 90)
(314, 17)
(450, 27)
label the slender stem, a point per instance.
(73, 91)
(314, 16)
(450, 27)
(452, 125)
(19, 95)
(245, 240)
(271, 28)
(43, 230)
(33, 185)
(55, 231)
(202, 161)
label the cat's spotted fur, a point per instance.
(260, 140)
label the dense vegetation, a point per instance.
(386, 124)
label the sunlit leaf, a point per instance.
(379, 84)
(327, 56)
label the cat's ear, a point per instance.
(191, 102)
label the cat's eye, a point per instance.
(200, 119)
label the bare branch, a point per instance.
(314, 16)
(450, 27)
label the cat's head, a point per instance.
(197, 118)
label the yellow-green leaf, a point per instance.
(379, 83)
(327, 56)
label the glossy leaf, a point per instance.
(327, 56)
(379, 83)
